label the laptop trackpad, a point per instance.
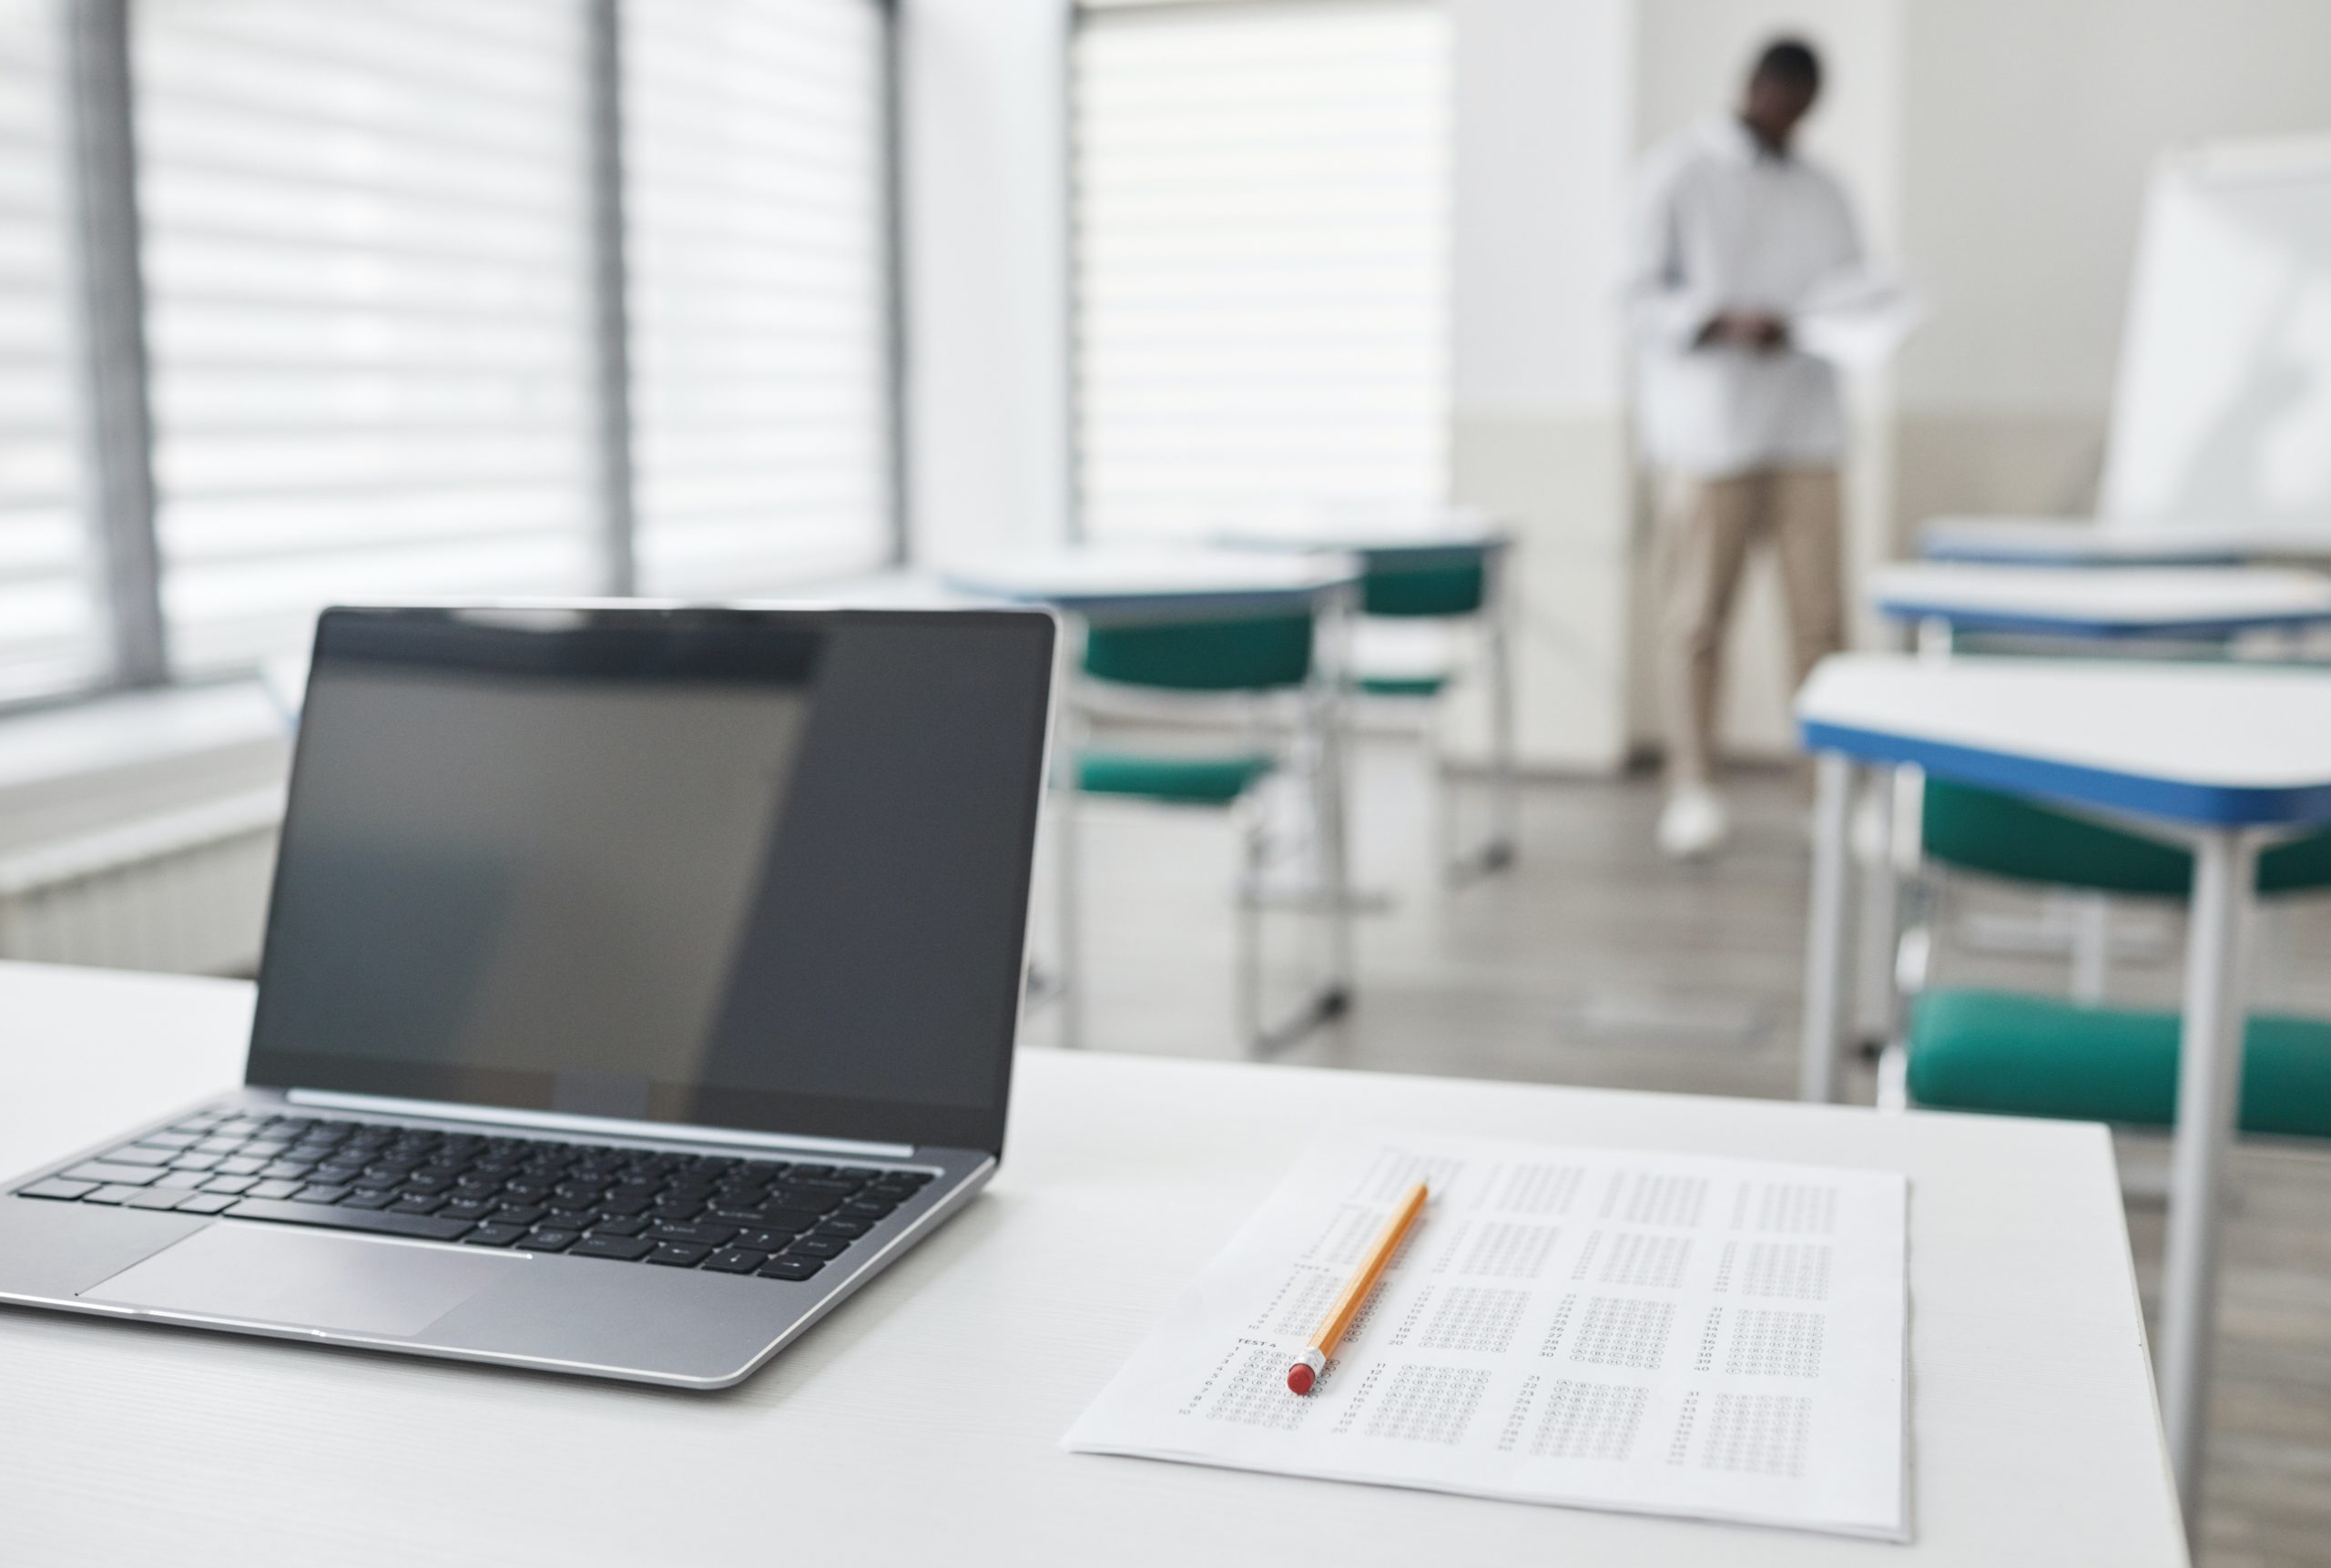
(350, 1285)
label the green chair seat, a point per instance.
(2038, 1056)
(1183, 780)
(2008, 836)
(1443, 589)
(1243, 653)
(1403, 685)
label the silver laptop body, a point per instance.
(639, 982)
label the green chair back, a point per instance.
(1441, 590)
(1261, 653)
(2006, 836)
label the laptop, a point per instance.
(638, 983)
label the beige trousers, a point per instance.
(1707, 529)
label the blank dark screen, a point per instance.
(765, 869)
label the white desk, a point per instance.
(2225, 757)
(1129, 583)
(2101, 603)
(2095, 541)
(922, 1422)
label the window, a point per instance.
(1261, 217)
(756, 240)
(51, 638)
(369, 313)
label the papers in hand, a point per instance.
(1650, 1332)
(1855, 319)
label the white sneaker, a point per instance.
(1694, 824)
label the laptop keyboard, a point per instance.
(776, 1219)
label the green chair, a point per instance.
(1453, 583)
(1985, 1050)
(1249, 662)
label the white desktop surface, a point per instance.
(1102, 575)
(922, 1422)
(2103, 600)
(2249, 731)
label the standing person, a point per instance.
(1733, 230)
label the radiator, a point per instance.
(183, 891)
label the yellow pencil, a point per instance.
(1305, 1373)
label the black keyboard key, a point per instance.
(629, 1249)
(275, 1189)
(495, 1234)
(206, 1203)
(734, 1260)
(813, 1170)
(619, 1227)
(570, 1219)
(794, 1268)
(464, 1210)
(105, 1172)
(235, 1185)
(816, 1247)
(774, 1237)
(344, 1218)
(519, 1214)
(848, 1230)
(155, 1198)
(57, 1186)
(694, 1233)
(679, 1255)
(865, 1209)
(372, 1198)
(418, 1204)
(549, 1240)
(315, 1193)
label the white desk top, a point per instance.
(1374, 532)
(1104, 578)
(2102, 601)
(2087, 541)
(2212, 743)
(921, 1421)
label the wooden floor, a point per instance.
(1596, 961)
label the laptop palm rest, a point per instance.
(339, 1284)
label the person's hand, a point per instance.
(1758, 330)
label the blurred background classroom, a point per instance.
(1296, 351)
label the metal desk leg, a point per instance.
(2209, 1084)
(1505, 819)
(1333, 805)
(1825, 939)
(1880, 933)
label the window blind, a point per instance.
(756, 236)
(51, 638)
(1261, 195)
(369, 313)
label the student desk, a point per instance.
(2225, 757)
(2093, 603)
(921, 1421)
(2088, 542)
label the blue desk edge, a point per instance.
(2168, 800)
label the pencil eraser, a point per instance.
(1300, 1377)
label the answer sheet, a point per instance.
(1605, 1328)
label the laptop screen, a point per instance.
(763, 870)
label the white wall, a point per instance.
(985, 227)
(1544, 106)
(2030, 130)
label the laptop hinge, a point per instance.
(602, 1126)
